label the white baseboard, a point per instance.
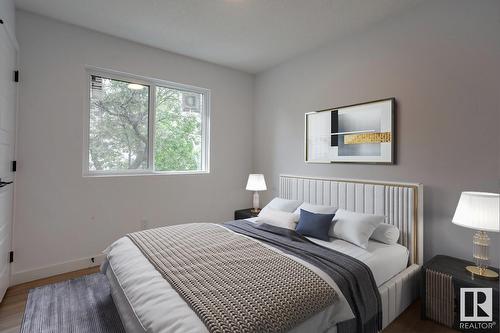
(64, 267)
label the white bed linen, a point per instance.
(384, 260)
(146, 300)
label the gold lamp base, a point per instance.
(484, 273)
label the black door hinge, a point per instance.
(14, 166)
(11, 256)
(16, 76)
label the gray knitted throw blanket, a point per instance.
(234, 283)
(354, 279)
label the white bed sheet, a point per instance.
(384, 260)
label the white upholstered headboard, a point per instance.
(400, 203)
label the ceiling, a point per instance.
(249, 35)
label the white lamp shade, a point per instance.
(256, 182)
(478, 210)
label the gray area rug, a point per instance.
(78, 306)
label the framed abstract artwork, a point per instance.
(360, 133)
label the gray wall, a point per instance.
(62, 218)
(7, 14)
(441, 61)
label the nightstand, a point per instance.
(445, 282)
(244, 214)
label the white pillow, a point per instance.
(386, 233)
(283, 205)
(353, 227)
(316, 209)
(278, 218)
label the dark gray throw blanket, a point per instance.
(352, 276)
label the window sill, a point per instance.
(139, 174)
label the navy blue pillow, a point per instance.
(314, 225)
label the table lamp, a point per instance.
(479, 211)
(256, 183)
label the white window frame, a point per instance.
(153, 84)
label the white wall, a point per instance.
(441, 61)
(7, 14)
(62, 217)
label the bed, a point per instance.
(147, 302)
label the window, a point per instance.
(145, 126)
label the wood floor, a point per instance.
(12, 308)
(410, 322)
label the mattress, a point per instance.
(147, 303)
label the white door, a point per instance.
(8, 97)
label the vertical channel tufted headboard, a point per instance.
(400, 203)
